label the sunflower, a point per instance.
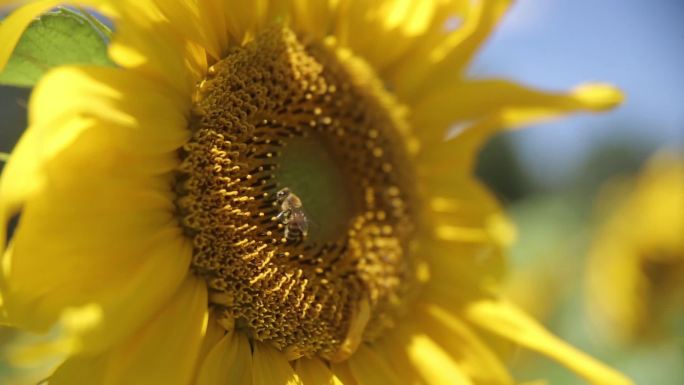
(264, 192)
(635, 270)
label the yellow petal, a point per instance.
(125, 292)
(417, 359)
(232, 23)
(507, 321)
(69, 101)
(81, 370)
(243, 18)
(147, 41)
(185, 18)
(467, 215)
(474, 99)
(121, 105)
(369, 368)
(344, 373)
(213, 15)
(393, 346)
(464, 245)
(382, 31)
(93, 154)
(228, 363)
(483, 107)
(435, 365)
(460, 208)
(214, 334)
(462, 272)
(161, 352)
(314, 371)
(444, 61)
(526, 108)
(459, 49)
(270, 367)
(315, 17)
(474, 358)
(3, 311)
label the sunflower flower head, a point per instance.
(264, 193)
(636, 264)
(266, 108)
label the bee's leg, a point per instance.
(287, 232)
(283, 216)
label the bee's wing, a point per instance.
(301, 220)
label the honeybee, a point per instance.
(291, 215)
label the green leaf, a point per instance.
(56, 38)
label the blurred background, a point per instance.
(572, 185)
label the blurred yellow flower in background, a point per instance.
(151, 228)
(635, 271)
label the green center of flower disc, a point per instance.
(296, 192)
(309, 170)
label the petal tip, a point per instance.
(599, 96)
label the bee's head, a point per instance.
(282, 193)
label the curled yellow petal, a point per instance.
(474, 112)
(480, 108)
(444, 60)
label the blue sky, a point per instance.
(637, 45)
